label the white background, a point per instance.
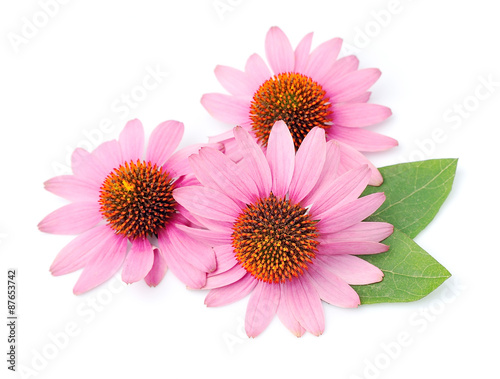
(62, 83)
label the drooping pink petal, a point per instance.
(286, 316)
(363, 98)
(132, 141)
(352, 247)
(351, 158)
(75, 254)
(359, 115)
(257, 70)
(302, 53)
(309, 163)
(207, 202)
(351, 269)
(322, 59)
(225, 278)
(199, 254)
(254, 161)
(226, 108)
(364, 231)
(158, 271)
(232, 292)
(209, 236)
(279, 51)
(178, 163)
(344, 189)
(163, 141)
(281, 158)
(361, 139)
(215, 170)
(183, 270)
(72, 188)
(235, 82)
(305, 304)
(261, 308)
(73, 218)
(349, 214)
(138, 262)
(331, 288)
(352, 84)
(225, 259)
(106, 259)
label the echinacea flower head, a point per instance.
(305, 90)
(124, 213)
(285, 227)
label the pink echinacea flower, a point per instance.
(121, 198)
(285, 227)
(305, 90)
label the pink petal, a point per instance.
(352, 84)
(73, 218)
(226, 108)
(254, 161)
(331, 288)
(87, 167)
(281, 158)
(363, 98)
(75, 255)
(178, 163)
(215, 170)
(225, 278)
(158, 271)
(351, 213)
(279, 51)
(213, 237)
(207, 202)
(235, 82)
(351, 158)
(261, 308)
(305, 304)
(225, 259)
(362, 140)
(184, 271)
(72, 188)
(257, 70)
(364, 231)
(352, 270)
(198, 254)
(109, 153)
(163, 141)
(132, 141)
(329, 172)
(351, 247)
(138, 262)
(302, 53)
(344, 189)
(105, 261)
(341, 67)
(231, 293)
(286, 317)
(322, 59)
(309, 163)
(359, 115)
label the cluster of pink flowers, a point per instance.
(270, 209)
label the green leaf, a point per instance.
(410, 273)
(414, 193)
